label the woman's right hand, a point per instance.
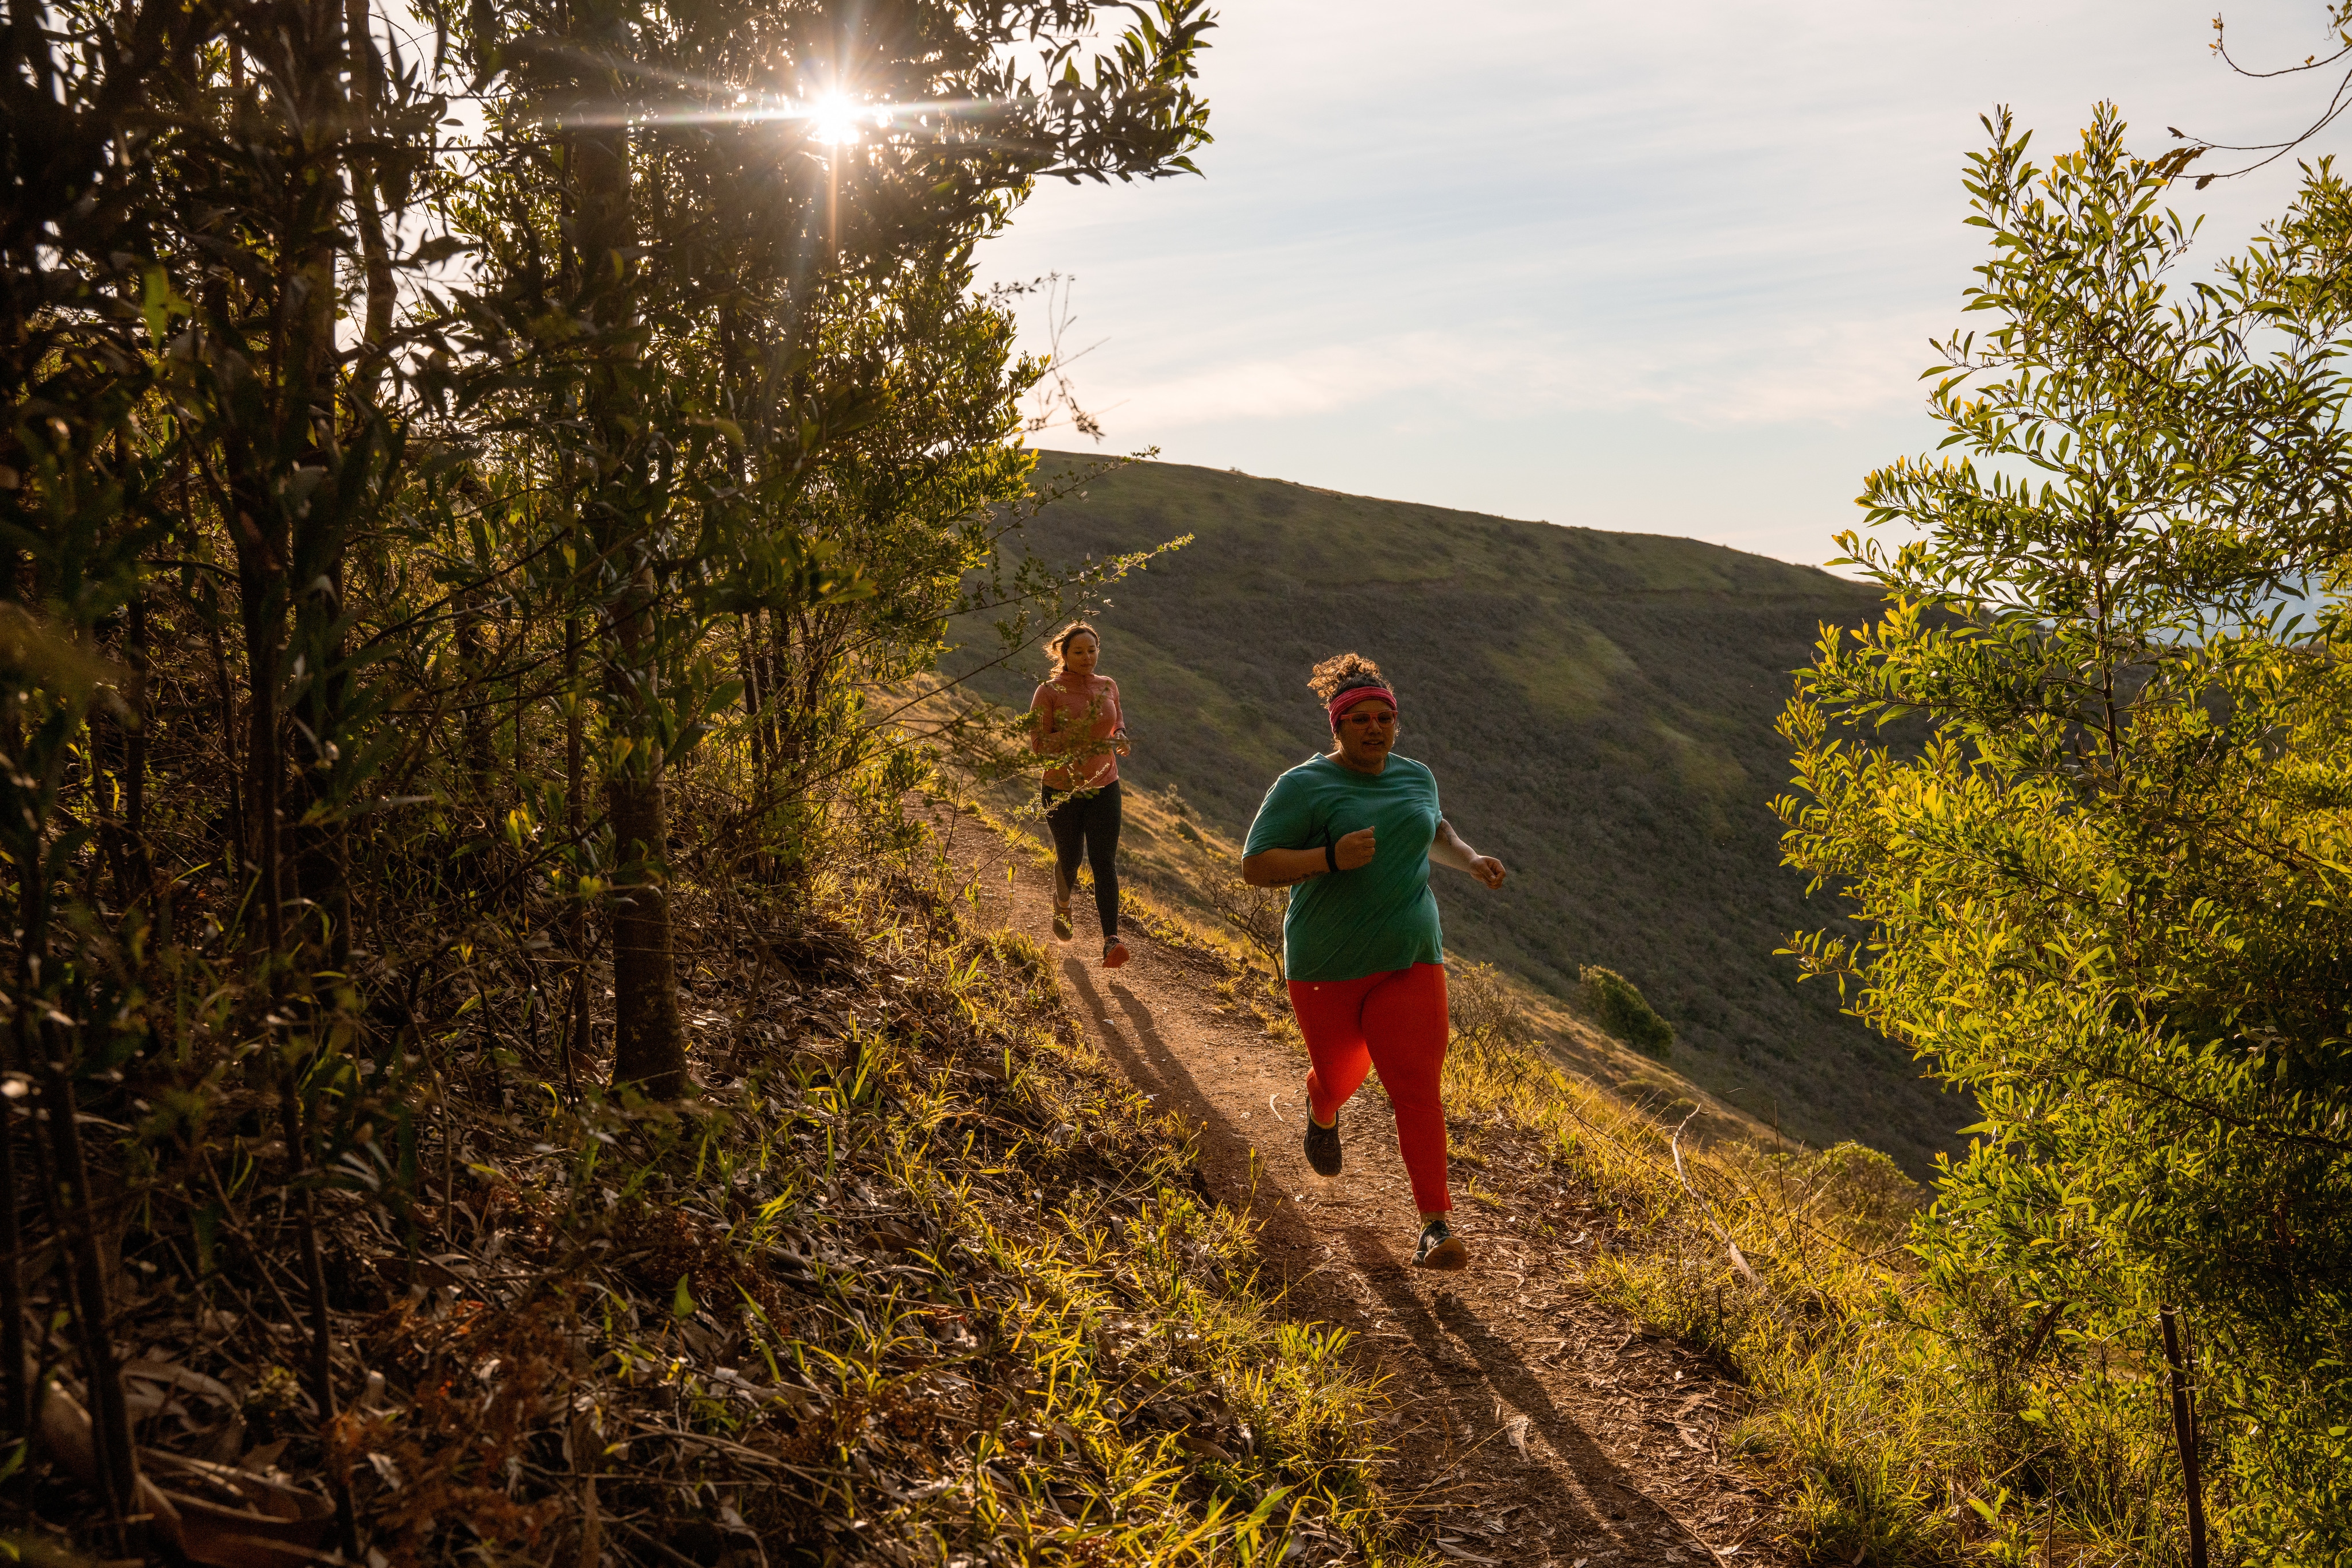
(1354, 850)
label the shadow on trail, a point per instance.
(1156, 1070)
(1465, 1366)
(1474, 1369)
(1447, 1385)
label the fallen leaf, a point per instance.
(154, 1382)
(211, 1514)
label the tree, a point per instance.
(718, 170)
(317, 539)
(2111, 892)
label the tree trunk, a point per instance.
(648, 1039)
(21, 1025)
(2184, 1431)
(580, 1048)
(316, 532)
(74, 1208)
(366, 94)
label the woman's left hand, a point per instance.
(1489, 870)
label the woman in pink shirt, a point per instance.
(1074, 718)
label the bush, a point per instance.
(1864, 1193)
(1256, 914)
(2116, 917)
(1482, 1005)
(1623, 1013)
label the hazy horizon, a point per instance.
(1585, 266)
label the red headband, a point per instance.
(1354, 695)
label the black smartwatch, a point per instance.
(1331, 856)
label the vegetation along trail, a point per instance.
(1532, 1423)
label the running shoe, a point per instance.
(1323, 1146)
(1440, 1247)
(1061, 904)
(1114, 952)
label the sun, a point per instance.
(832, 121)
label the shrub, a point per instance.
(1623, 1013)
(1482, 1005)
(1256, 914)
(2116, 917)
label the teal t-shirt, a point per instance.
(1343, 925)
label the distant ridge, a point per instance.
(1599, 709)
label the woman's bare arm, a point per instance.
(1282, 868)
(1450, 850)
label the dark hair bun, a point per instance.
(1345, 672)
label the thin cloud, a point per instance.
(1833, 373)
(1688, 259)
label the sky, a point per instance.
(1669, 268)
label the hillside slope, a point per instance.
(1599, 709)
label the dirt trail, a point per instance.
(1535, 1424)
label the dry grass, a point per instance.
(915, 1279)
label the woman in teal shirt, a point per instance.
(1355, 831)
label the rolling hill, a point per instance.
(1598, 707)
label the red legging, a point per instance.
(1395, 1022)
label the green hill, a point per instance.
(1598, 707)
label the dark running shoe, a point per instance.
(1062, 921)
(1061, 904)
(1323, 1146)
(1114, 952)
(1440, 1247)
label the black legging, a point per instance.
(1088, 823)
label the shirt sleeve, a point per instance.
(1286, 817)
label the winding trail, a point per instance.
(1533, 1424)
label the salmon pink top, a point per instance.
(1064, 710)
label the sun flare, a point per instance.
(832, 121)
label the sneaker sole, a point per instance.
(1449, 1255)
(1062, 931)
(1115, 956)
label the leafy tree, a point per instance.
(663, 312)
(361, 604)
(2110, 893)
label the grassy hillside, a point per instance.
(1598, 707)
